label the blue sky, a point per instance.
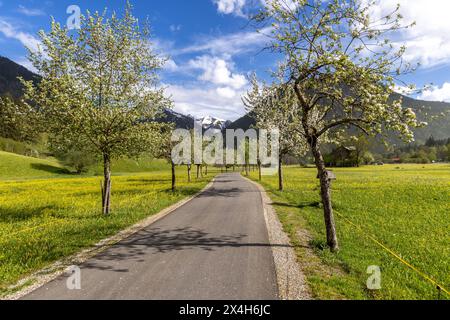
(212, 49)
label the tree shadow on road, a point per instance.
(147, 243)
(226, 192)
(218, 192)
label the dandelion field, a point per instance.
(47, 214)
(406, 208)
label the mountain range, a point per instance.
(182, 121)
(437, 114)
(9, 72)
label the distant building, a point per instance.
(342, 157)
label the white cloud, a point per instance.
(437, 93)
(26, 39)
(231, 6)
(200, 101)
(171, 66)
(226, 92)
(162, 46)
(216, 90)
(288, 5)
(175, 28)
(232, 44)
(218, 87)
(429, 41)
(237, 7)
(218, 71)
(30, 12)
(405, 90)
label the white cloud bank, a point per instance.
(171, 66)
(200, 101)
(216, 91)
(218, 71)
(231, 44)
(236, 7)
(30, 12)
(175, 27)
(437, 93)
(9, 31)
(429, 41)
(230, 6)
(217, 87)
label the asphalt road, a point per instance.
(214, 247)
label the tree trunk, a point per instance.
(174, 179)
(206, 170)
(259, 171)
(280, 173)
(189, 172)
(106, 190)
(358, 158)
(325, 192)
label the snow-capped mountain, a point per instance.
(182, 121)
(210, 122)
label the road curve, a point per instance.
(214, 247)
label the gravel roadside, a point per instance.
(291, 280)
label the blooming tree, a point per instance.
(99, 88)
(274, 107)
(342, 66)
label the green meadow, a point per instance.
(406, 208)
(47, 213)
